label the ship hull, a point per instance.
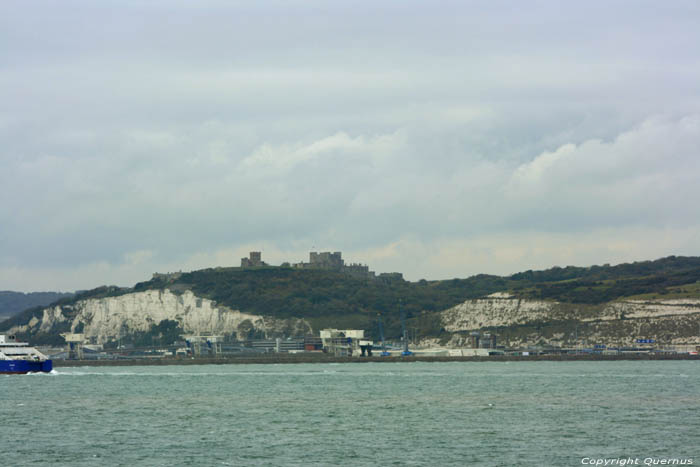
(24, 366)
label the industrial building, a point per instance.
(346, 342)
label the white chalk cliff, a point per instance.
(517, 321)
(106, 319)
(673, 321)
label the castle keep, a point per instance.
(326, 260)
(254, 260)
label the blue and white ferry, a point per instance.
(19, 357)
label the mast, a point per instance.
(381, 331)
(405, 333)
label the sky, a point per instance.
(438, 139)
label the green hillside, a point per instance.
(286, 292)
(666, 277)
(329, 298)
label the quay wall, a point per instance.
(277, 359)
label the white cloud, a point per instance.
(235, 127)
(340, 144)
(532, 173)
(642, 176)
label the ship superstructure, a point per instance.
(20, 357)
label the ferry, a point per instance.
(19, 357)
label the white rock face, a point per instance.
(106, 319)
(497, 311)
(50, 318)
(494, 311)
(622, 322)
(651, 309)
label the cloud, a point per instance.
(356, 193)
(137, 144)
(339, 145)
(643, 176)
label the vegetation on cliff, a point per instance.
(600, 284)
(286, 292)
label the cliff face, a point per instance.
(530, 322)
(106, 319)
(514, 321)
(495, 312)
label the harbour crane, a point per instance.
(384, 353)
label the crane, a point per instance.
(384, 353)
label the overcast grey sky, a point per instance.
(440, 139)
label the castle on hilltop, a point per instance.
(326, 260)
(253, 261)
(334, 262)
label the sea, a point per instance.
(348, 414)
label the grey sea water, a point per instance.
(517, 413)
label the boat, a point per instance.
(20, 358)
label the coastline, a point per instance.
(322, 358)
